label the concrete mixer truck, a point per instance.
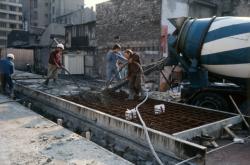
(215, 56)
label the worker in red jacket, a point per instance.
(54, 63)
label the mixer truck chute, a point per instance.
(212, 50)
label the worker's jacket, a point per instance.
(6, 67)
(55, 58)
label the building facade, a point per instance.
(36, 14)
(63, 7)
(133, 24)
(80, 44)
(143, 26)
(79, 16)
(10, 19)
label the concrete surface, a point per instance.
(28, 138)
(237, 154)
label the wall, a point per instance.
(52, 29)
(79, 62)
(77, 17)
(74, 62)
(62, 7)
(81, 37)
(240, 8)
(22, 57)
(133, 24)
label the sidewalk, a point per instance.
(28, 138)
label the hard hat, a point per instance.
(60, 46)
(129, 51)
(11, 56)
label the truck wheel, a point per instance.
(210, 100)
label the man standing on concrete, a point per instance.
(112, 58)
(6, 70)
(54, 63)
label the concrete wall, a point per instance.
(22, 57)
(77, 17)
(133, 24)
(62, 7)
(80, 62)
(240, 7)
(53, 29)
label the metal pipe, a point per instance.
(241, 115)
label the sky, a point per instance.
(90, 3)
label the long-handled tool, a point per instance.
(114, 76)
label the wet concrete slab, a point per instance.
(28, 138)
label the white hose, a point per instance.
(146, 130)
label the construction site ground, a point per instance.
(236, 154)
(28, 138)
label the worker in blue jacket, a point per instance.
(6, 70)
(112, 59)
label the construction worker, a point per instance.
(54, 63)
(6, 71)
(134, 77)
(112, 58)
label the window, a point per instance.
(3, 33)
(46, 4)
(46, 15)
(3, 7)
(20, 18)
(12, 26)
(2, 42)
(3, 25)
(20, 9)
(20, 26)
(53, 10)
(3, 15)
(12, 17)
(35, 3)
(12, 8)
(35, 15)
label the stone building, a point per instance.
(10, 19)
(133, 24)
(143, 26)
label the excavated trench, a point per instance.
(177, 117)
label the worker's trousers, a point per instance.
(6, 80)
(112, 73)
(52, 72)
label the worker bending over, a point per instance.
(54, 63)
(6, 71)
(134, 77)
